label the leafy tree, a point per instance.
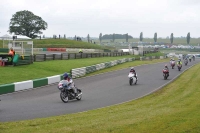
(117, 36)
(100, 37)
(64, 36)
(188, 38)
(141, 36)
(26, 23)
(88, 38)
(155, 37)
(172, 38)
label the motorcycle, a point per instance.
(179, 66)
(193, 58)
(165, 73)
(186, 62)
(172, 64)
(67, 93)
(132, 78)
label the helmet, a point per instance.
(65, 75)
(165, 65)
(132, 69)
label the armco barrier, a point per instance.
(57, 49)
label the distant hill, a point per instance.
(117, 36)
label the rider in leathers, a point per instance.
(166, 68)
(69, 83)
(134, 72)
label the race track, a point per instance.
(98, 91)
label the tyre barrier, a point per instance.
(79, 72)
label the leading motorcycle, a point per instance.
(132, 78)
(165, 73)
(67, 93)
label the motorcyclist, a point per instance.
(179, 63)
(193, 57)
(186, 59)
(171, 61)
(190, 58)
(134, 72)
(69, 83)
(166, 68)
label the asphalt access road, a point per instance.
(98, 91)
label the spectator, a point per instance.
(11, 52)
(80, 51)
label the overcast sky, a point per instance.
(82, 17)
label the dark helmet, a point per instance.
(65, 75)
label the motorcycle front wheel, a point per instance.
(130, 81)
(80, 96)
(64, 97)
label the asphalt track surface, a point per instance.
(98, 91)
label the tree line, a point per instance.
(28, 24)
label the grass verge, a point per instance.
(175, 108)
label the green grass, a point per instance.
(155, 54)
(62, 43)
(173, 109)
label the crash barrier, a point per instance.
(75, 50)
(152, 57)
(22, 60)
(66, 56)
(4, 50)
(29, 84)
(79, 72)
(17, 60)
